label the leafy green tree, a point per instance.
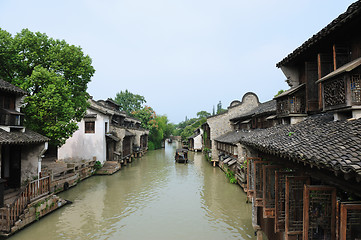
(158, 126)
(55, 75)
(219, 108)
(129, 102)
(50, 111)
(147, 116)
(203, 114)
(279, 92)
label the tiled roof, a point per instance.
(102, 107)
(194, 135)
(27, 137)
(263, 108)
(318, 140)
(231, 137)
(8, 87)
(290, 91)
(353, 11)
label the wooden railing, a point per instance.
(34, 190)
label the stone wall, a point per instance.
(119, 133)
(29, 161)
(37, 210)
(220, 124)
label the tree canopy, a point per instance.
(158, 126)
(55, 76)
(129, 102)
(279, 92)
(203, 114)
(220, 109)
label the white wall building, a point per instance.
(89, 141)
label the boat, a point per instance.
(181, 155)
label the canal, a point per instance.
(151, 198)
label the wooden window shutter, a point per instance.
(350, 221)
(280, 208)
(250, 176)
(258, 182)
(294, 206)
(269, 190)
(319, 206)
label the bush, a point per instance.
(97, 165)
(231, 177)
(151, 145)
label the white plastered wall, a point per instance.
(86, 146)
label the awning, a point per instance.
(230, 163)
(227, 160)
(246, 121)
(112, 137)
(290, 91)
(345, 68)
(271, 117)
(12, 112)
(128, 133)
(90, 116)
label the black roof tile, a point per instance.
(8, 87)
(318, 140)
(353, 11)
(27, 137)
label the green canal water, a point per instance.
(151, 198)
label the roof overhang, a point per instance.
(271, 117)
(246, 121)
(290, 91)
(345, 68)
(112, 137)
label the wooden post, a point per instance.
(334, 57)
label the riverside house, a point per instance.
(21, 185)
(303, 176)
(195, 141)
(219, 124)
(105, 134)
(228, 147)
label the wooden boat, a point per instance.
(181, 155)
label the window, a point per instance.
(106, 127)
(90, 127)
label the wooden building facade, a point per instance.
(303, 175)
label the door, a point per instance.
(11, 165)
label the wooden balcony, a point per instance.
(341, 89)
(11, 118)
(291, 102)
(10, 213)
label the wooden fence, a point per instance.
(33, 191)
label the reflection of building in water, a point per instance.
(222, 201)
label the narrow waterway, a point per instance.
(151, 198)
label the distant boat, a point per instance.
(181, 155)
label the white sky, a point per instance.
(183, 56)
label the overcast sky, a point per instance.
(183, 56)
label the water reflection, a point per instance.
(152, 198)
